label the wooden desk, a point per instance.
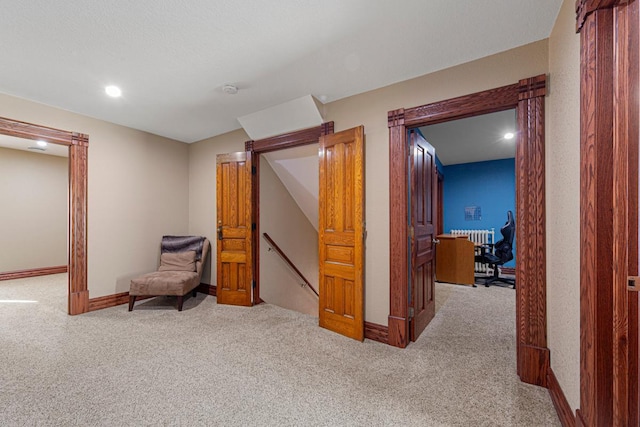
(455, 258)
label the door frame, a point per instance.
(78, 143)
(527, 98)
(266, 145)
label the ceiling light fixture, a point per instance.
(42, 143)
(509, 135)
(113, 91)
(230, 89)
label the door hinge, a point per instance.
(254, 170)
(632, 282)
(253, 226)
(411, 312)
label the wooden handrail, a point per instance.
(288, 261)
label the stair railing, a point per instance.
(286, 259)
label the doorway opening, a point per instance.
(34, 222)
(288, 223)
(527, 98)
(256, 150)
(475, 160)
(475, 192)
(78, 145)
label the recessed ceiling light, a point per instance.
(509, 135)
(113, 91)
(42, 143)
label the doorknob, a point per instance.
(219, 230)
(436, 241)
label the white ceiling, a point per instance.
(474, 139)
(171, 58)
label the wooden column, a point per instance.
(531, 332)
(399, 282)
(78, 291)
(609, 212)
(625, 213)
(596, 215)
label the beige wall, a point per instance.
(287, 225)
(33, 218)
(137, 192)
(370, 109)
(563, 203)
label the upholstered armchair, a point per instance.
(181, 263)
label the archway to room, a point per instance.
(78, 294)
(527, 97)
(475, 162)
(33, 222)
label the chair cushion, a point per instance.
(164, 283)
(178, 261)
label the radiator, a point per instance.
(479, 237)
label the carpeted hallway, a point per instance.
(261, 366)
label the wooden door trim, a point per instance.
(78, 293)
(608, 211)
(290, 139)
(266, 145)
(527, 98)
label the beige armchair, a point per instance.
(179, 273)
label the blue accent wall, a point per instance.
(490, 185)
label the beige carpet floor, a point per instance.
(214, 365)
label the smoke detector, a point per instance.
(230, 89)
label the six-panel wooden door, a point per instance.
(341, 232)
(234, 254)
(423, 211)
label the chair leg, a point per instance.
(180, 301)
(132, 300)
(492, 278)
(496, 278)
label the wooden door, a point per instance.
(234, 255)
(341, 232)
(422, 229)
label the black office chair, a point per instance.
(502, 252)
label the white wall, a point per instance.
(33, 217)
(290, 229)
(137, 191)
(563, 203)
